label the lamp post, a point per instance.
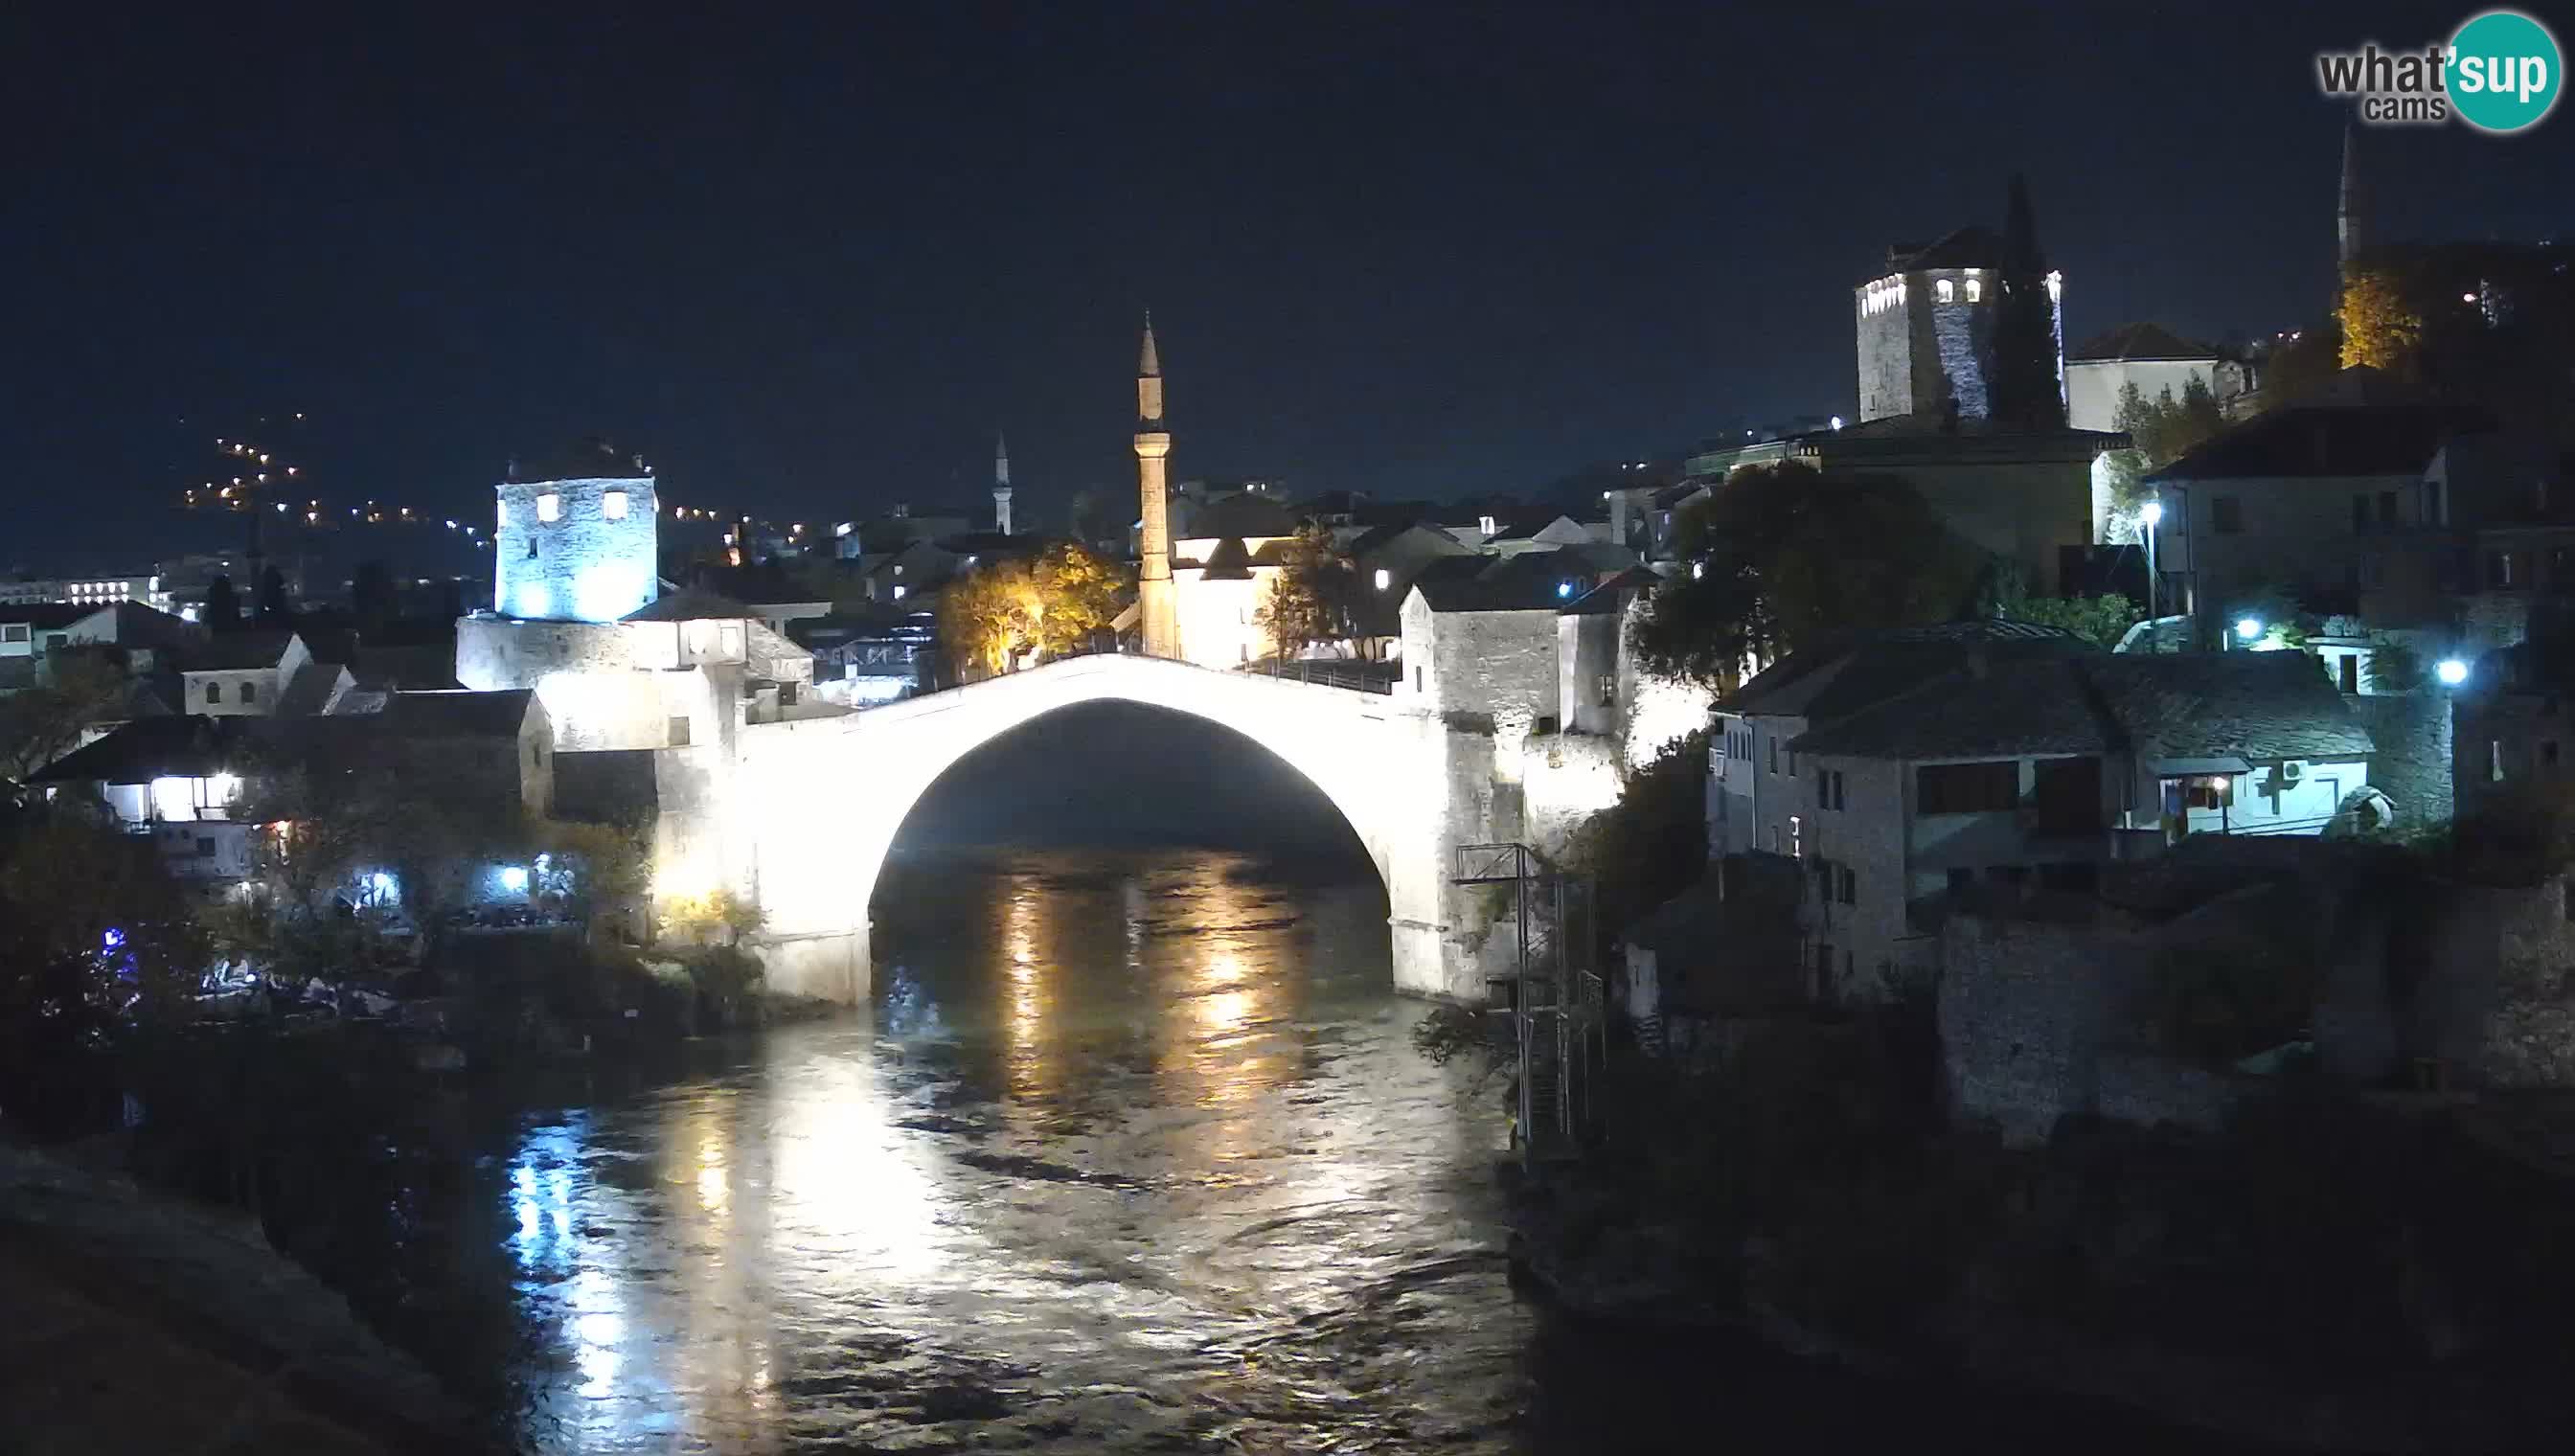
(2152, 513)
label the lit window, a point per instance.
(613, 505)
(550, 507)
(1948, 291)
(1976, 289)
(897, 594)
(1385, 579)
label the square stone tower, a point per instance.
(1925, 327)
(582, 545)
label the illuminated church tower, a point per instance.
(1157, 612)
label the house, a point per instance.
(2513, 722)
(263, 672)
(1387, 560)
(1478, 637)
(2153, 359)
(1226, 562)
(2347, 507)
(1599, 689)
(2032, 772)
(30, 630)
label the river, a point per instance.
(1132, 1152)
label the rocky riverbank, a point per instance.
(136, 1323)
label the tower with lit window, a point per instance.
(1158, 612)
(1925, 327)
(579, 545)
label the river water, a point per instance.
(1132, 1152)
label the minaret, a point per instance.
(2347, 218)
(1158, 612)
(1000, 484)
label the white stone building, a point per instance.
(2150, 357)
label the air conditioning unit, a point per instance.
(2290, 772)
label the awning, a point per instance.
(2194, 768)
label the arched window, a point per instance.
(214, 692)
(1948, 291)
(1976, 289)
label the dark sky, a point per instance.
(810, 263)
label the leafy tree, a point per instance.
(2164, 428)
(1780, 555)
(2380, 328)
(96, 941)
(1079, 596)
(2027, 392)
(700, 918)
(2301, 365)
(223, 605)
(2101, 619)
(41, 724)
(2395, 665)
(594, 869)
(1309, 599)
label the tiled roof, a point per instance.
(460, 714)
(180, 746)
(2325, 440)
(1227, 562)
(2253, 705)
(1246, 514)
(1844, 674)
(239, 652)
(1973, 246)
(46, 616)
(1529, 581)
(309, 691)
(1612, 595)
(689, 603)
(2140, 341)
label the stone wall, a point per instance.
(2412, 765)
(1567, 780)
(2498, 1003)
(2024, 1011)
(584, 565)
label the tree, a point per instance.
(1780, 555)
(2165, 428)
(222, 605)
(1079, 596)
(41, 724)
(1309, 599)
(2026, 391)
(272, 596)
(371, 598)
(2101, 619)
(2380, 329)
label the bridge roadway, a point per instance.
(806, 810)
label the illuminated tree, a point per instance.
(2380, 328)
(1309, 599)
(1079, 596)
(2164, 428)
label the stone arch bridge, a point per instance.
(813, 806)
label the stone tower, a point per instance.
(1158, 614)
(1000, 485)
(577, 540)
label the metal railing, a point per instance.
(1354, 677)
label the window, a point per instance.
(2226, 515)
(1608, 690)
(214, 692)
(1845, 885)
(250, 693)
(1964, 788)
(15, 632)
(1976, 289)
(2208, 791)
(1829, 788)
(1796, 837)
(2360, 514)
(1774, 756)
(679, 732)
(1947, 291)
(2348, 665)
(2494, 761)
(1385, 579)
(2502, 571)
(613, 505)
(2432, 513)
(550, 507)
(2387, 508)
(1962, 880)
(205, 848)
(1416, 679)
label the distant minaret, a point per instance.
(1157, 614)
(1000, 485)
(2347, 218)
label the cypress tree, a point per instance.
(2023, 368)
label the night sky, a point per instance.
(809, 264)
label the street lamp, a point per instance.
(2248, 628)
(2451, 672)
(2152, 513)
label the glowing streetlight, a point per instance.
(2248, 628)
(2152, 513)
(2451, 672)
